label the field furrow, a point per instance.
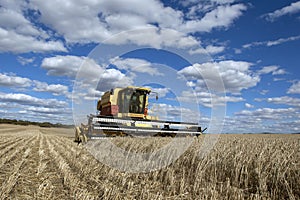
(78, 188)
(86, 166)
(17, 150)
(11, 166)
(26, 187)
(49, 179)
(11, 182)
(10, 145)
(4, 141)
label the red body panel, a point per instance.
(110, 110)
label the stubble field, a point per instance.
(45, 163)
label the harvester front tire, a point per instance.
(77, 135)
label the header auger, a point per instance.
(124, 112)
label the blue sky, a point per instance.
(202, 57)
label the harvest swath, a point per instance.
(40, 163)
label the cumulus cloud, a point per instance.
(41, 114)
(89, 74)
(161, 92)
(25, 61)
(95, 21)
(13, 42)
(14, 81)
(208, 99)
(70, 65)
(290, 9)
(55, 89)
(112, 78)
(272, 69)
(248, 105)
(273, 120)
(285, 100)
(174, 113)
(267, 113)
(160, 37)
(24, 99)
(58, 111)
(222, 16)
(295, 88)
(135, 65)
(19, 35)
(236, 75)
(210, 49)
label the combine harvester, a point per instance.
(124, 112)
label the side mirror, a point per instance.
(156, 96)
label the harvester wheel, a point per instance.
(84, 138)
(80, 136)
(77, 135)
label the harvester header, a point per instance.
(123, 112)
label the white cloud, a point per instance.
(70, 65)
(279, 72)
(25, 61)
(24, 99)
(174, 113)
(88, 73)
(210, 49)
(14, 81)
(290, 9)
(207, 99)
(271, 42)
(268, 69)
(135, 65)
(284, 100)
(272, 69)
(17, 34)
(91, 78)
(264, 92)
(95, 21)
(209, 3)
(248, 105)
(283, 40)
(55, 89)
(39, 113)
(112, 78)
(13, 42)
(295, 88)
(91, 94)
(237, 51)
(236, 75)
(221, 17)
(17, 82)
(268, 113)
(273, 120)
(161, 92)
(160, 37)
(58, 111)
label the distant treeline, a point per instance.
(26, 123)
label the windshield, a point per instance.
(132, 101)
